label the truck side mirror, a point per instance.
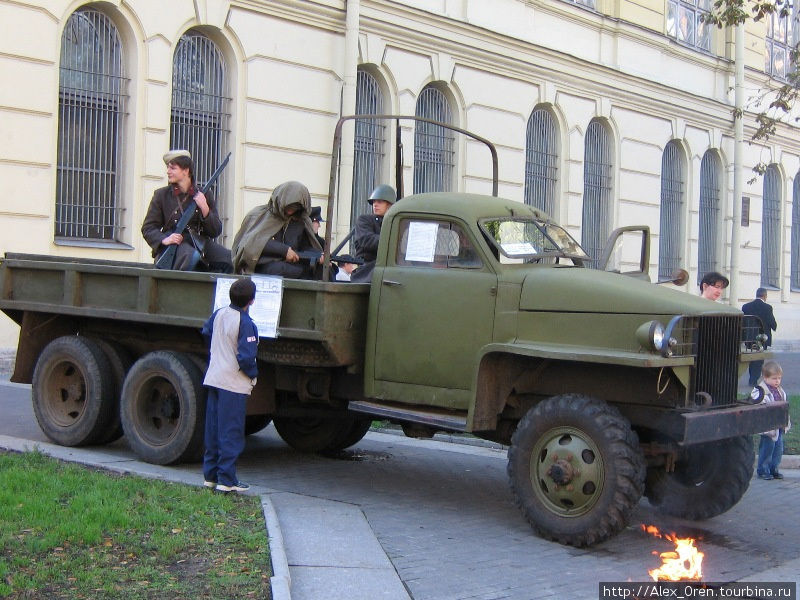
(627, 245)
(678, 277)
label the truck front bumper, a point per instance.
(697, 427)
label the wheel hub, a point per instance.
(561, 471)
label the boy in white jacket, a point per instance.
(770, 448)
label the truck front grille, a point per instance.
(715, 374)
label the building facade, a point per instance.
(604, 113)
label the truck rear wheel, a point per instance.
(312, 434)
(255, 423)
(120, 361)
(355, 434)
(163, 408)
(575, 469)
(708, 479)
(72, 384)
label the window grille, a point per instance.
(672, 191)
(709, 215)
(685, 22)
(370, 138)
(91, 106)
(782, 35)
(597, 179)
(795, 282)
(201, 109)
(434, 146)
(770, 229)
(541, 161)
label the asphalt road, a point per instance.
(444, 516)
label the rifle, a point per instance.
(167, 258)
(312, 256)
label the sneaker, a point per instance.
(777, 475)
(210, 484)
(765, 476)
(236, 487)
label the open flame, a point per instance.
(683, 563)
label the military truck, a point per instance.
(482, 317)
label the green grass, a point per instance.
(67, 531)
(791, 444)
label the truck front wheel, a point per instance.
(708, 479)
(73, 391)
(575, 469)
(163, 408)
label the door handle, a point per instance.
(391, 283)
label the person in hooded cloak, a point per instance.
(271, 235)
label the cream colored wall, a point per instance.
(496, 60)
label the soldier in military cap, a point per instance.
(368, 231)
(166, 209)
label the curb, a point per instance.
(280, 581)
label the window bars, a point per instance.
(597, 181)
(795, 277)
(709, 214)
(782, 35)
(91, 106)
(685, 22)
(770, 229)
(672, 193)
(541, 161)
(370, 138)
(201, 109)
(434, 146)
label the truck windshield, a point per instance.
(521, 238)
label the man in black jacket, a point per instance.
(368, 231)
(763, 311)
(166, 209)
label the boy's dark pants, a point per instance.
(224, 439)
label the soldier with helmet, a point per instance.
(368, 231)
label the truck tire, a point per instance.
(311, 434)
(576, 470)
(120, 361)
(708, 479)
(255, 423)
(163, 408)
(71, 385)
(351, 436)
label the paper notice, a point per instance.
(421, 241)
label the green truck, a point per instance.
(482, 317)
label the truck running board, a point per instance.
(440, 420)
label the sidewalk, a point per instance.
(328, 551)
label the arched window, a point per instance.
(434, 146)
(672, 194)
(370, 138)
(201, 107)
(91, 105)
(796, 233)
(597, 181)
(710, 199)
(541, 161)
(771, 229)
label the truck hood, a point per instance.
(570, 289)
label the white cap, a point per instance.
(173, 154)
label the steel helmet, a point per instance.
(383, 192)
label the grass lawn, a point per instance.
(67, 531)
(791, 445)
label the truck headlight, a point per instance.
(650, 335)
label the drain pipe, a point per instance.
(738, 159)
(348, 107)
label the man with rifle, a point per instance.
(195, 248)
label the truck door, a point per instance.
(436, 310)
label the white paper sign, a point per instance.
(266, 310)
(518, 249)
(421, 241)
